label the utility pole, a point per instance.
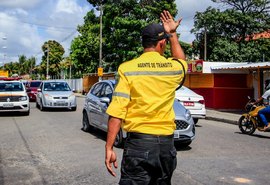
(205, 44)
(100, 70)
(70, 63)
(47, 68)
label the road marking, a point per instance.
(242, 180)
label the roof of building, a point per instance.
(255, 36)
(245, 65)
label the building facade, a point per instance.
(226, 86)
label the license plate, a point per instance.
(176, 135)
(8, 105)
(188, 103)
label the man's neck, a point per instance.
(150, 50)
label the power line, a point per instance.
(42, 25)
(67, 37)
(63, 40)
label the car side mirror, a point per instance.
(73, 90)
(105, 100)
(38, 90)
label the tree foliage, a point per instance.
(230, 32)
(22, 67)
(122, 23)
(85, 48)
(53, 53)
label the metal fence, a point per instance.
(76, 84)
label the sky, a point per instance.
(26, 24)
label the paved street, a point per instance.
(49, 148)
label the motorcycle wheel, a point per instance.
(246, 126)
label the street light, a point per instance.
(4, 47)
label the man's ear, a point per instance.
(162, 43)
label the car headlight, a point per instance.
(23, 98)
(188, 114)
(72, 96)
(48, 97)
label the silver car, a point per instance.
(55, 94)
(98, 99)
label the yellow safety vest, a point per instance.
(144, 94)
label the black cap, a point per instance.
(154, 32)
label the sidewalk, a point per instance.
(230, 117)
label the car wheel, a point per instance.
(73, 108)
(85, 123)
(183, 144)
(41, 107)
(195, 120)
(37, 105)
(27, 113)
(119, 139)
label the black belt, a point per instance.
(147, 136)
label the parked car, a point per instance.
(192, 101)
(31, 89)
(25, 82)
(13, 97)
(55, 94)
(99, 98)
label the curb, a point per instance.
(233, 122)
(80, 95)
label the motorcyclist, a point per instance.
(263, 113)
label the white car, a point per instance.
(97, 102)
(192, 101)
(13, 97)
(55, 94)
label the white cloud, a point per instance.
(27, 24)
(19, 3)
(68, 6)
(187, 10)
(17, 12)
(20, 38)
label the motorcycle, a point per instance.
(250, 121)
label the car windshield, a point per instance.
(11, 86)
(56, 86)
(34, 84)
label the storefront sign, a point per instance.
(100, 71)
(195, 66)
(3, 73)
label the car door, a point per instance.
(93, 105)
(106, 92)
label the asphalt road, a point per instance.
(50, 148)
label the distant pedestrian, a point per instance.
(143, 104)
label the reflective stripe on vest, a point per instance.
(159, 73)
(123, 95)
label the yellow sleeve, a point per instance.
(121, 97)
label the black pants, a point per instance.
(148, 160)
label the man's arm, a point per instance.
(259, 100)
(114, 125)
(176, 49)
(170, 27)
